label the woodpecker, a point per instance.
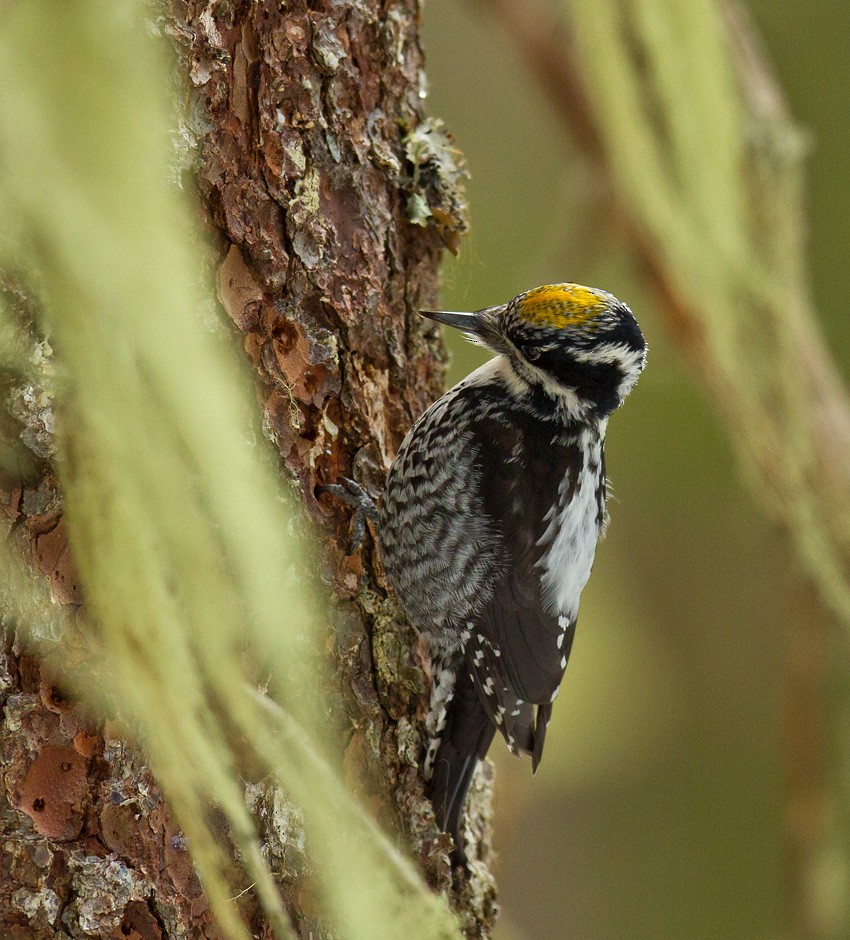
(490, 516)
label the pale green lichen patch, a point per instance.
(307, 193)
(27, 373)
(328, 50)
(410, 745)
(475, 895)
(418, 210)
(102, 889)
(304, 224)
(17, 709)
(33, 407)
(437, 195)
(292, 146)
(284, 840)
(399, 678)
(37, 905)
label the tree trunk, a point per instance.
(329, 197)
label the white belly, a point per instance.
(571, 535)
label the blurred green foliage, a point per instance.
(657, 811)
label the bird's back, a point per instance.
(471, 527)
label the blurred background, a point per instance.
(658, 811)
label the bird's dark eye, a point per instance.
(533, 354)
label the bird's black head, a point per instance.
(577, 345)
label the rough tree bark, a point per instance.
(329, 197)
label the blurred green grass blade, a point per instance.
(351, 846)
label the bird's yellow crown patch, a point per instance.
(561, 305)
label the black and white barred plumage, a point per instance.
(489, 521)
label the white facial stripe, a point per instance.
(629, 359)
(518, 373)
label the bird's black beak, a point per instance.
(469, 323)
(481, 326)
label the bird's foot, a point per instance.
(354, 495)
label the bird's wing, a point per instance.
(518, 645)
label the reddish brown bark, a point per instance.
(328, 197)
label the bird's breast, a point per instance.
(574, 524)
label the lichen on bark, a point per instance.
(329, 196)
(336, 195)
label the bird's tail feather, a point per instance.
(466, 737)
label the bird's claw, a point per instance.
(354, 495)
